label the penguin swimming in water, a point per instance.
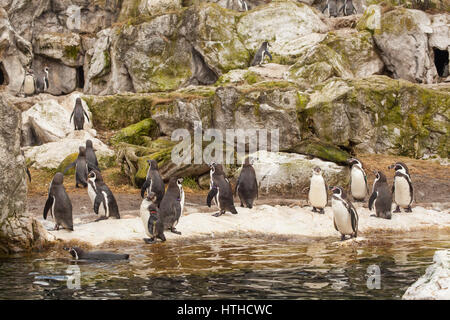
(381, 197)
(78, 115)
(358, 180)
(345, 216)
(153, 225)
(318, 191)
(247, 186)
(221, 191)
(348, 8)
(90, 154)
(59, 204)
(80, 254)
(42, 84)
(258, 59)
(172, 204)
(101, 197)
(82, 168)
(402, 188)
(153, 182)
(332, 8)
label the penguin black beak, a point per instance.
(330, 187)
(66, 248)
(375, 172)
(391, 166)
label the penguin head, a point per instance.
(81, 151)
(216, 168)
(180, 182)
(58, 178)
(74, 251)
(153, 164)
(337, 191)
(95, 175)
(89, 144)
(266, 44)
(354, 161)
(399, 166)
(379, 176)
(317, 171)
(46, 69)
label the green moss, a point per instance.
(71, 52)
(321, 150)
(252, 78)
(190, 183)
(135, 133)
(67, 160)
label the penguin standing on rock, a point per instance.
(345, 216)
(80, 254)
(153, 182)
(258, 59)
(381, 197)
(247, 186)
(78, 115)
(42, 84)
(221, 191)
(59, 204)
(358, 180)
(402, 188)
(82, 168)
(172, 204)
(101, 197)
(90, 154)
(332, 8)
(153, 225)
(29, 83)
(318, 191)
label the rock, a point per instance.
(440, 38)
(18, 230)
(290, 173)
(435, 283)
(154, 7)
(65, 48)
(136, 133)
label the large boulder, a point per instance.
(65, 48)
(18, 229)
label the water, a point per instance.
(235, 268)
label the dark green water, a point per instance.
(236, 268)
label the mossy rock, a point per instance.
(321, 150)
(68, 160)
(136, 133)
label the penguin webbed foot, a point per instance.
(342, 237)
(409, 209)
(397, 210)
(173, 230)
(101, 218)
(314, 209)
(322, 211)
(56, 228)
(149, 240)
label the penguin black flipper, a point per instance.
(237, 186)
(212, 193)
(334, 222)
(48, 206)
(341, 9)
(354, 218)
(144, 187)
(69, 166)
(70, 120)
(365, 180)
(372, 199)
(268, 53)
(98, 200)
(325, 8)
(87, 117)
(28, 174)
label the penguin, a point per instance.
(153, 182)
(258, 59)
(78, 115)
(80, 254)
(27, 171)
(42, 84)
(153, 225)
(381, 197)
(345, 217)
(215, 170)
(221, 191)
(82, 168)
(348, 8)
(358, 180)
(59, 204)
(402, 188)
(101, 197)
(172, 204)
(29, 83)
(90, 154)
(332, 8)
(247, 185)
(318, 191)
(243, 5)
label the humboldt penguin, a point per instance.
(80, 254)
(59, 204)
(82, 168)
(381, 197)
(358, 180)
(243, 5)
(221, 191)
(318, 191)
(101, 197)
(153, 182)
(42, 84)
(172, 204)
(90, 154)
(78, 115)
(332, 8)
(345, 217)
(29, 83)
(402, 188)
(153, 225)
(348, 8)
(258, 59)
(247, 186)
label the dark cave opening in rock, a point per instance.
(80, 77)
(3, 75)
(441, 62)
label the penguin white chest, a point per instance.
(145, 215)
(28, 85)
(92, 194)
(317, 192)
(401, 195)
(358, 186)
(342, 217)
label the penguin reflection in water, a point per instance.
(402, 188)
(381, 197)
(172, 204)
(345, 217)
(80, 254)
(101, 197)
(59, 204)
(153, 225)
(318, 191)
(220, 191)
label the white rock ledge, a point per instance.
(280, 220)
(435, 283)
